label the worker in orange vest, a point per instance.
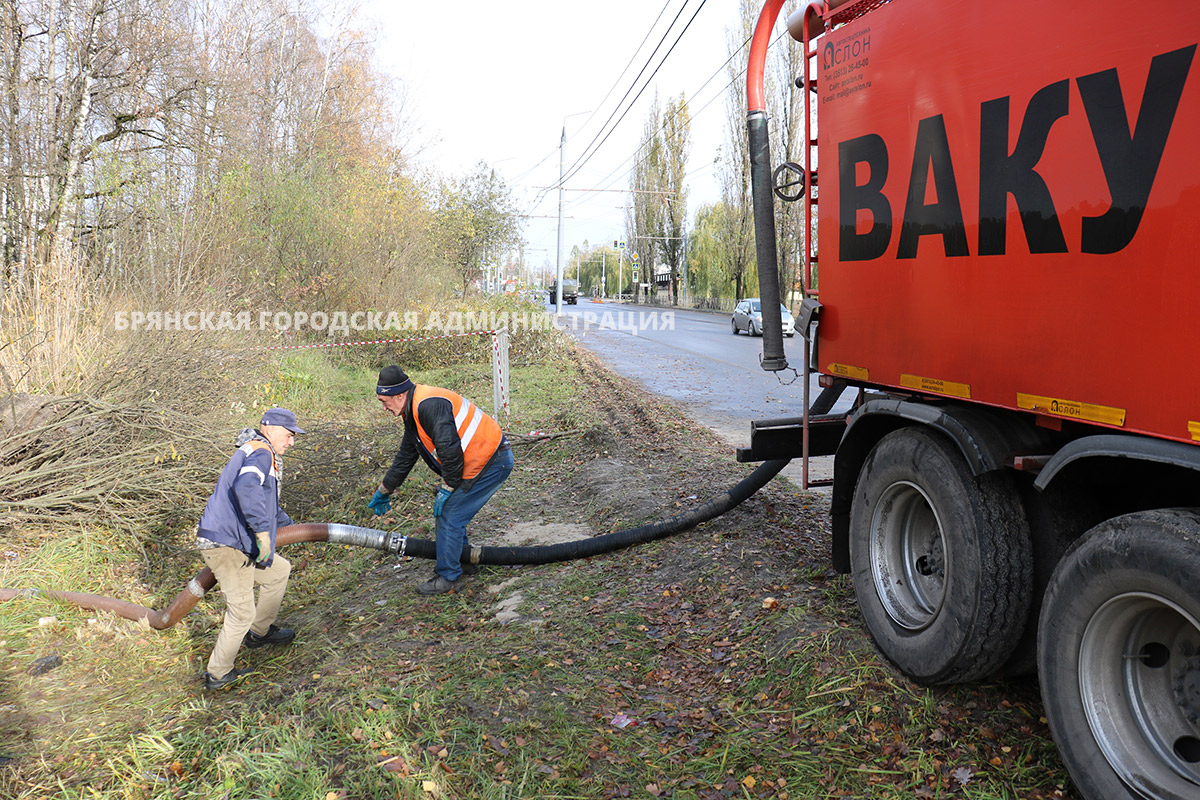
(460, 443)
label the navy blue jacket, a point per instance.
(245, 501)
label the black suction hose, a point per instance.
(550, 553)
(392, 542)
(583, 548)
(761, 191)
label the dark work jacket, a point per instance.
(246, 500)
(436, 415)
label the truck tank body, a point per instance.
(1009, 207)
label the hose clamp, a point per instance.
(396, 543)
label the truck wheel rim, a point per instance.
(1139, 678)
(908, 556)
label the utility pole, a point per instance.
(684, 264)
(558, 270)
(620, 271)
(562, 143)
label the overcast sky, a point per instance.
(494, 81)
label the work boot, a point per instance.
(274, 635)
(220, 683)
(438, 585)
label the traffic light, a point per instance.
(616, 243)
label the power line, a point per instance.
(724, 89)
(620, 167)
(740, 75)
(617, 82)
(633, 56)
(575, 168)
(588, 155)
(614, 174)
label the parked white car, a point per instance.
(747, 316)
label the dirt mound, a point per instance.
(523, 534)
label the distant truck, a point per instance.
(570, 291)
(1008, 237)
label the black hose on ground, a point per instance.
(583, 548)
(393, 542)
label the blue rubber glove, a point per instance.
(442, 496)
(380, 503)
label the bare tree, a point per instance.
(647, 212)
(676, 137)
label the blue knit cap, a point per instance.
(392, 380)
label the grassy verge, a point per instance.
(725, 661)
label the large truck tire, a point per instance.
(1119, 657)
(1057, 517)
(940, 559)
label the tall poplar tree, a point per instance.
(659, 194)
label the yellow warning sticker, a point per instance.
(847, 371)
(1194, 430)
(949, 388)
(1071, 409)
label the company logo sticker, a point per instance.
(847, 371)
(1071, 409)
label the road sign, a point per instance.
(634, 258)
(620, 245)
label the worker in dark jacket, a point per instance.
(459, 442)
(237, 542)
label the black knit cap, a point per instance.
(392, 380)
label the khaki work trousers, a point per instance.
(237, 578)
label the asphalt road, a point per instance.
(692, 358)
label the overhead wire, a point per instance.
(649, 59)
(615, 174)
(593, 147)
(616, 83)
(620, 167)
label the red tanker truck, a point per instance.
(1007, 225)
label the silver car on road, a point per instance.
(747, 316)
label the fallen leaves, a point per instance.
(396, 764)
(963, 775)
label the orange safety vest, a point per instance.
(479, 433)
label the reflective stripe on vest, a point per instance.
(276, 469)
(479, 434)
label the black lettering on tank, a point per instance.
(873, 243)
(944, 216)
(1130, 162)
(1002, 174)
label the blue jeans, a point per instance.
(460, 508)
